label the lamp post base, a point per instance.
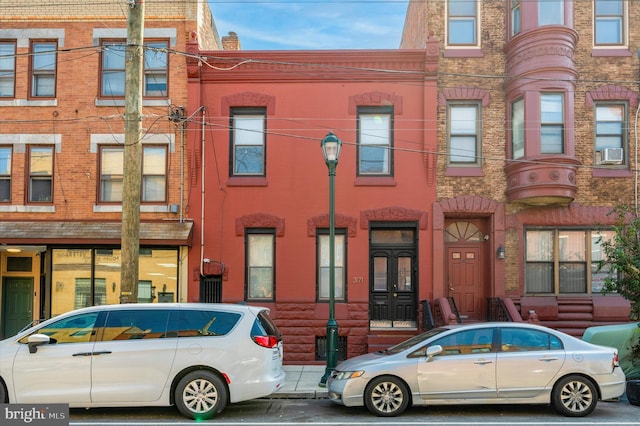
(332, 350)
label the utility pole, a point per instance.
(130, 240)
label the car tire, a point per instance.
(200, 395)
(574, 396)
(4, 397)
(386, 396)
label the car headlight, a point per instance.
(344, 375)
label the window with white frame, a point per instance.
(260, 261)
(610, 134)
(551, 123)
(40, 174)
(5, 174)
(516, 16)
(248, 142)
(7, 68)
(154, 174)
(43, 68)
(517, 129)
(609, 23)
(324, 267)
(375, 141)
(464, 133)
(462, 22)
(564, 261)
(155, 69)
(550, 12)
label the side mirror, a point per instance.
(36, 340)
(433, 351)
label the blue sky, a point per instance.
(311, 24)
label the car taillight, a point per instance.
(614, 360)
(266, 341)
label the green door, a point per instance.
(17, 305)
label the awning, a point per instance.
(94, 233)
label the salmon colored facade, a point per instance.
(300, 96)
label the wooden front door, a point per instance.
(465, 279)
(17, 305)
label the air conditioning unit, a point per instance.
(612, 156)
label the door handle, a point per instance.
(82, 354)
(483, 361)
(451, 288)
(102, 353)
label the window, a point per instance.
(155, 69)
(517, 129)
(516, 25)
(7, 69)
(464, 140)
(462, 22)
(154, 174)
(557, 260)
(40, 174)
(43, 69)
(83, 295)
(610, 133)
(610, 23)
(248, 141)
(75, 329)
(198, 323)
(523, 340)
(550, 12)
(552, 123)
(375, 141)
(260, 260)
(466, 342)
(5, 174)
(323, 260)
(136, 324)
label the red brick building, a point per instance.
(261, 188)
(61, 154)
(536, 142)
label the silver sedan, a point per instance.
(482, 363)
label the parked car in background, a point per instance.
(481, 363)
(198, 357)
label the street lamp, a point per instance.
(331, 151)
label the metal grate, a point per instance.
(321, 348)
(211, 289)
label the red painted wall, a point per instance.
(307, 94)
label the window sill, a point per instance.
(466, 52)
(375, 181)
(464, 171)
(120, 102)
(144, 208)
(247, 181)
(610, 51)
(14, 208)
(612, 173)
(14, 102)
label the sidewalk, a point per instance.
(302, 383)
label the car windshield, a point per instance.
(413, 341)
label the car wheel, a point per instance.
(386, 396)
(200, 395)
(574, 396)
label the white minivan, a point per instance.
(196, 356)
